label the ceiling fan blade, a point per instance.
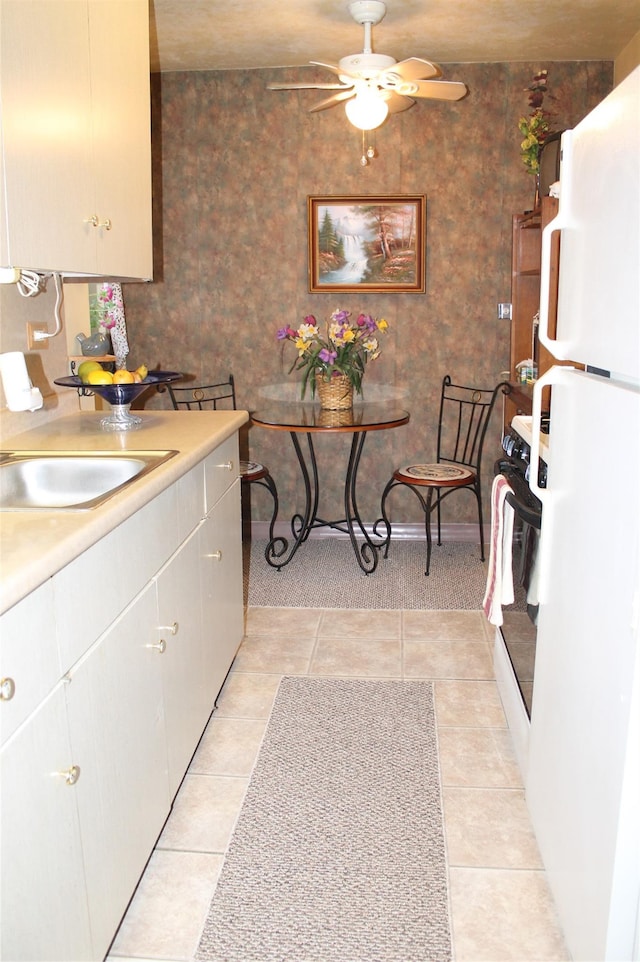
(433, 89)
(396, 103)
(413, 69)
(305, 87)
(332, 101)
(329, 66)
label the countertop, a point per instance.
(34, 545)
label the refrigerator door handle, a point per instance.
(562, 349)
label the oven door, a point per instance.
(516, 638)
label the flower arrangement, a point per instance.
(536, 127)
(345, 350)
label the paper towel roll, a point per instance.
(19, 392)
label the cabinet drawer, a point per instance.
(190, 501)
(221, 468)
(29, 659)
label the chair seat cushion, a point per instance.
(252, 470)
(437, 475)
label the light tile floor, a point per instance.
(501, 908)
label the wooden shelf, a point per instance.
(525, 299)
(102, 358)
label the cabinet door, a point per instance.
(117, 733)
(46, 133)
(121, 135)
(29, 660)
(222, 591)
(43, 902)
(76, 136)
(179, 623)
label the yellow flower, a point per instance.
(302, 345)
(382, 324)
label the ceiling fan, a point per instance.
(374, 85)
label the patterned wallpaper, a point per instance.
(233, 166)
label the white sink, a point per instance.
(71, 480)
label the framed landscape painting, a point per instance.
(374, 244)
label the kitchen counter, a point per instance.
(34, 545)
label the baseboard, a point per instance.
(402, 531)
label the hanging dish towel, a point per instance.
(500, 575)
(119, 330)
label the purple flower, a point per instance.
(283, 334)
(365, 320)
(327, 356)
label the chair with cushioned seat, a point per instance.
(222, 396)
(462, 425)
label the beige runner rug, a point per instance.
(338, 854)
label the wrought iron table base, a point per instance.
(278, 553)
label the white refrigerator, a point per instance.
(583, 777)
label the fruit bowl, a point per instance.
(120, 397)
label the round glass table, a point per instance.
(309, 419)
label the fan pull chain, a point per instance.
(369, 152)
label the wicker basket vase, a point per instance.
(336, 394)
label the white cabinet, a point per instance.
(222, 601)
(29, 661)
(45, 913)
(76, 140)
(117, 733)
(179, 632)
(116, 664)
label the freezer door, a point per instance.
(599, 220)
(583, 782)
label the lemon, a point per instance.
(123, 377)
(99, 377)
(142, 371)
(85, 368)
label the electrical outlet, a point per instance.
(34, 343)
(504, 312)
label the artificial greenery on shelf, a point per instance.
(537, 126)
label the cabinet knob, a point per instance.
(161, 646)
(71, 775)
(7, 689)
(105, 223)
(93, 220)
(216, 555)
(172, 628)
(228, 465)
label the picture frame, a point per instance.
(372, 244)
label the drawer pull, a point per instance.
(216, 555)
(172, 628)
(71, 775)
(7, 689)
(161, 646)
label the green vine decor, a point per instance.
(536, 127)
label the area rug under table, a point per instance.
(325, 574)
(338, 854)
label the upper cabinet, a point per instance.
(525, 298)
(76, 137)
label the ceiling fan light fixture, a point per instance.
(367, 110)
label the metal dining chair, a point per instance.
(222, 396)
(462, 425)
